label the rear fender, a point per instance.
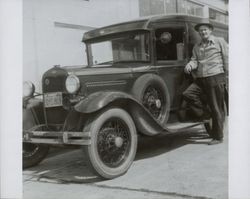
(146, 124)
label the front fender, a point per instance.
(146, 124)
(31, 102)
(32, 112)
(99, 100)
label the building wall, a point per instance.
(218, 4)
(191, 7)
(53, 30)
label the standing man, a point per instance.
(209, 65)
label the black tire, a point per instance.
(152, 92)
(111, 152)
(33, 154)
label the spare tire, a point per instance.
(152, 92)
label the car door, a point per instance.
(171, 55)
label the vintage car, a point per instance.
(132, 85)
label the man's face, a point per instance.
(204, 32)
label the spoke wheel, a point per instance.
(113, 143)
(33, 154)
(29, 149)
(153, 99)
(152, 92)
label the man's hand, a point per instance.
(188, 68)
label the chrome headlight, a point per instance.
(72, 84)
(28, 89)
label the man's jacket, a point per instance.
(211, 58)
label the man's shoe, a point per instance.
(214, 141)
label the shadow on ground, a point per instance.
(152, 146)
(70, 165)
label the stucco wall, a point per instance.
(53, 30)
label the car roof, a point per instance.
(144, 23)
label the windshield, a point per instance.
(128, 47)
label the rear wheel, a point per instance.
(152, 92)
(153, 99)
(113, 143)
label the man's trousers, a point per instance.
(213, 87)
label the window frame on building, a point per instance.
(180, 7)
(225, 21)
(202, 6)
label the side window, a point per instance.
(170, 44)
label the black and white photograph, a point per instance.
(126, 99)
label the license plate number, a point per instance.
(53, 99)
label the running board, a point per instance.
(179, 127)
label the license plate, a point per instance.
(53, 99)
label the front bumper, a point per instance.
(56, 137)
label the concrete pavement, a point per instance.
(179, 166)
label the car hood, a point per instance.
(83, 70)
(96, 70)
(104, 69)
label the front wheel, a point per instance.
(113, 143)
(33, 154)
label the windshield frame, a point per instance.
(117, 35)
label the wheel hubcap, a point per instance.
(118, 142)
(153, 100)
(158, 103)
(113, 142)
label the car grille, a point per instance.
(54, 84)
(56, 115)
